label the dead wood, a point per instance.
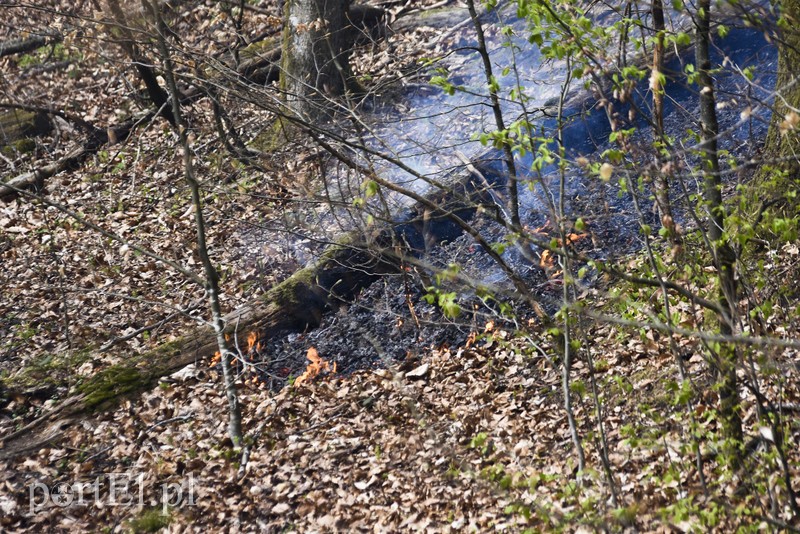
(95, 141)
(28, 44)
(297, 304)
(16, 124)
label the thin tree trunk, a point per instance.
(661, 176)
(211, 275)
(724, 256)
(491, 82)
(157, 95)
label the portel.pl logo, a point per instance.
(111, 489)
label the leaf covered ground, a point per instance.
(467, 438)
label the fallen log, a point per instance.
(295, 305)
(17, 124)
(35, 179)
(28, 44)
(96, 140)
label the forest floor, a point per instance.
(456, 437)
(472, 439)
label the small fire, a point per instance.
(543, 230)
(572, 238)
(473, 336)
(316, 366)
(251, 341)
(548, 260)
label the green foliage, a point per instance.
(150, 520)
(480, 441)
(568, 33)
(445, 300)
(57, 52)
(444, 84)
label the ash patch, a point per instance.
(389, 322)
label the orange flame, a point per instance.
(547, 260)
(252, 337)
(315, 367)
(572, 238)
(473, 336)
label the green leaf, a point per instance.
(370, 188)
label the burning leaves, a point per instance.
(245, 358)
(789, 123)
(316, 366)
(548, 258)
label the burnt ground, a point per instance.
(394, 319)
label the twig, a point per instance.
(180, 418)
(108, 344)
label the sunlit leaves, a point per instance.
(444, 84)
(445, 300)
(370, 188)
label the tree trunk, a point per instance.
(661, 176)
(315, 65)
(724, 358)
(124, 36)
(783, 144)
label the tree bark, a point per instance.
(28, 44)
(315, 64)
(363, 23)
(725, 356)
(782, 147)
(18, 124)
(147, 73)
(661, 176)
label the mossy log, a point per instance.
(16, 125)
(28, 44)
(295, 305)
